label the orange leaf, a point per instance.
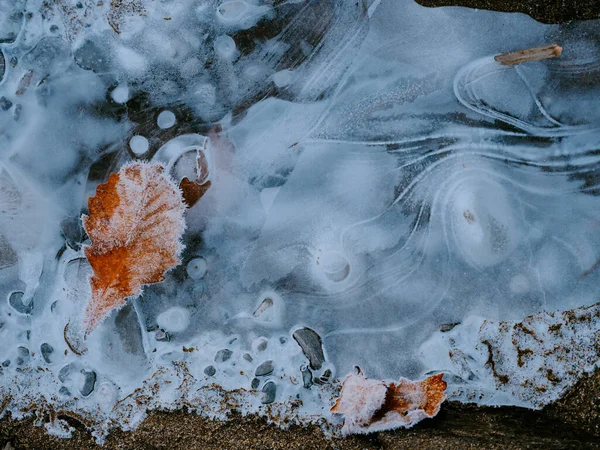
(135, 224)
(192, 191)
(373, 405)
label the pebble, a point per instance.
(444, 328)
(64, 373)
(89, 381)
(71, 230)
(162, 335)
(262, 345)
(269, 391)
(8, 257)
(307, 379)
(254, 383)
(11, 24)
(311, 345)
(5, 104)
(265, 305)
(17, 112)
(323, 379)
(266, 368)
(64, 391)
(248, 357)
(16, 301)
(210, 371)
(91, 56)
(326, 376)
(47, 351)
(223, 355)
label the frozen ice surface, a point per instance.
(377, 191)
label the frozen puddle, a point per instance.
(232, 205)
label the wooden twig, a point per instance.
(529, 54)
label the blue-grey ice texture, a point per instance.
(375, 177)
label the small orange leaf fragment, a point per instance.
(135, 224)
(373, 405)
(192, 191)
(195, 187)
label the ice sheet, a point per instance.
(375, 177)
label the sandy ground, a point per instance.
(572, 422)
(546, 11)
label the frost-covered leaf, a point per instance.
(135, 225)
(373, 405)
